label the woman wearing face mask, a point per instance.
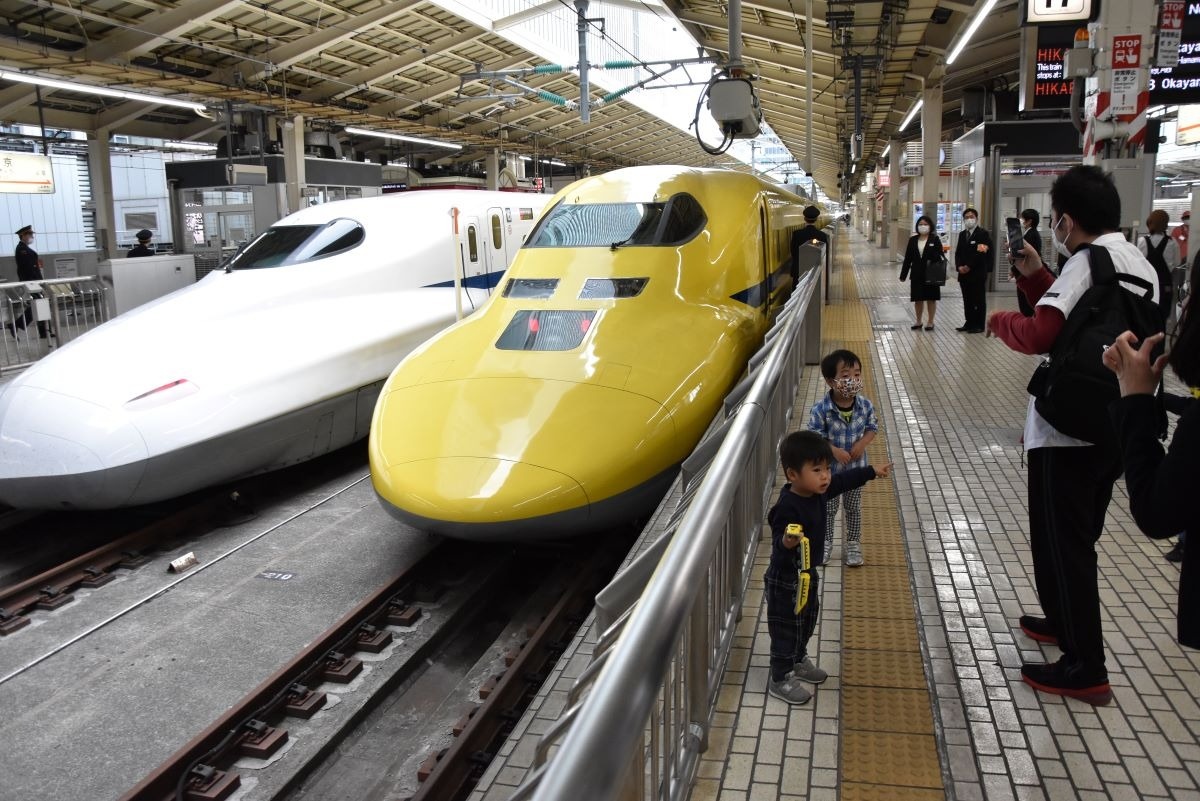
(922, 246)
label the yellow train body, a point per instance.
(566, 403)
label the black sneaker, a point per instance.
(1176, 553)
(1069, 681)
(1038, 628)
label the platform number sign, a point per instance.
(1051, 12)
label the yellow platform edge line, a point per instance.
(904, 765)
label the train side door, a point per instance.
(473, 255)
(497, 240)
(764, 222)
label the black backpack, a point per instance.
(1072, 387)
(1158, 261)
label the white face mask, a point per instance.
(922, 229)
(1060, 244)
(970, 223)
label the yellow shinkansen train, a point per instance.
(566, 403)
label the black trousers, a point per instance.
(788, 631)
(974, 303)
(1069, 493)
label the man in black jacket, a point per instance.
(29, 268)
(972, 257)
(806, 235)
(142, 248)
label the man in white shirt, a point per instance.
(1070, 481)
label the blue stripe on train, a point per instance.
(485, 281)
(758, 294)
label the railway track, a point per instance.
(513, 609)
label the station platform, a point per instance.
(924, 699)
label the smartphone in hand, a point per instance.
(1016, 240)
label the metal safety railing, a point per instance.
(36, 316)
(637, 718)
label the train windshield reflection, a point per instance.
(582, 225)
(281, 245)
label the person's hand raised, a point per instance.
(1134, 371)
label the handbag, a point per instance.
(935, 270)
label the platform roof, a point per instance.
(396, 65)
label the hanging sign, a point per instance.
(1126, 58)
(26, 173)
(1170, 33)
(1051, 12)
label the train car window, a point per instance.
(472, 244)
(600, 288)
(546, 330)
(620, 224)
(497, 232)
(684, 219)
(282, 245)
(530, 287)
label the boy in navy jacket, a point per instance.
(791, 578)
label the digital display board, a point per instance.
(1045, 86)
(1181, 84)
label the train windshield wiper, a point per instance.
(627, 240)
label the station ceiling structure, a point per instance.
(394, 65)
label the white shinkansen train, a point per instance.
(274, 360)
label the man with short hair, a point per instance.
(973, 260)
(1070, 481)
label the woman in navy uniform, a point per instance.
(142, 248)
(922, 245)
(29, 268)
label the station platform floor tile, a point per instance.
(924, 698)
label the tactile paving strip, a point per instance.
(888, 750)
(888, 758)
(904, 711)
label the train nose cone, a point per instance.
(513, 457)
(62, 452)
(461, 495)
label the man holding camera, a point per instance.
(1070, 481)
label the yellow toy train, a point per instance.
(566, 403)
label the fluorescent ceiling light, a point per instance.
(912, 112)
(555, 162)
(189, 146)
(980, 16)
(401, 137)
(886, 150)
(104, 91)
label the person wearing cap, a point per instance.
(29, 268)
(142, 248)
(1180, 235)
(809, 234)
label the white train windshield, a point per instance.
(581, 225)
(281, 245)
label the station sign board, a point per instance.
(1056, 12)
(26, 174)
(1043, 81)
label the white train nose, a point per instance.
(61, 452)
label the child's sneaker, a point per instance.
(854, 554)
(828, 551)
(807, 671)
(789, 691)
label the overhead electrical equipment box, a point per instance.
(735, 108)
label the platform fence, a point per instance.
(637, 719)
(38, 316)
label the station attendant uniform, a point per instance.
(142, 248)
(29, 268)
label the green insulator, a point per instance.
(546, 69)
(611, 96)
(621, 65)
(557, 100)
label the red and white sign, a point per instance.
(1170, 33)
(1126, 52)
